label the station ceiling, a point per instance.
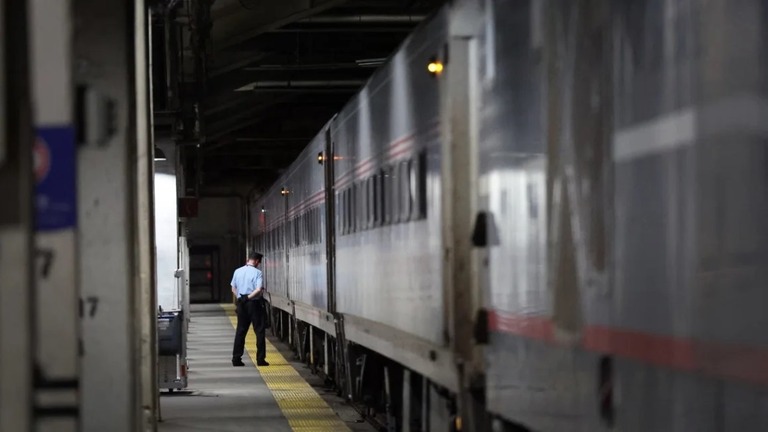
(241, 86)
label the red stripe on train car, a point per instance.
(734, 361)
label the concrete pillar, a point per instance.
(16, 280)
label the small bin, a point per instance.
(169, 333)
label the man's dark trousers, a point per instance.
(250, 312)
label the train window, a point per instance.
(353, 208)
(386, 195)
(366, 203)
(303, 229)
(337, 206)
(418, 184)
(296, 233)
(313, 223)
(349, 202)
(377, 178)
(348, 209)
(394, 191)
(371, 201)
(341, 214)
(406, 199)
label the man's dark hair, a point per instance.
(255, 256)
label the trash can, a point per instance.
(169, 325)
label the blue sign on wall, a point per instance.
(55, 178)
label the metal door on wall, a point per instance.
(204, 274)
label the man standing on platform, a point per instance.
(247, 286)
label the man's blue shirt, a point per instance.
(246, 279)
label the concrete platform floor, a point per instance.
(224, 398)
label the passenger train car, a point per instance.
(617, 180)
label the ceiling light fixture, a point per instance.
(159, 154)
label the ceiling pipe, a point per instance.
(302, 67)
(342, 19)
(400, 29)
(291, 84)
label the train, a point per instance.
(539, 215)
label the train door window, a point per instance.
(359, 207)
(406, 199)
(418, 186)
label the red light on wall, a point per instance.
(209, 275)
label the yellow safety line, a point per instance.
(304, 409)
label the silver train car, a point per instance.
(616, 178)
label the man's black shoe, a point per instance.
(237, 362)
(262, 363)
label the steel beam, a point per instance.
(233, 29)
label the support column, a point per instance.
(16, 280)
(108, 187)
(57, 297)
(145, 293)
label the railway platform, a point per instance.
(283, 396)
